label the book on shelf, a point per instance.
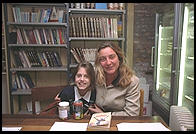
(54, 15)
(41, 36)
(92, 27)
(57, 58)
(28, 80)
(16, 59)
(85, 26)
(22, 80)
(48, 58)
(23, 85)
(53, 60)
(42, 60)
(45, 58)
(79, 26)
(22, 59)
(41, 15)
(26, 58)
(19, 37)
(45, 38)
(89, 27)
(84, 54)
(46, 16)
(100, 5)
(61, 38)
(14, 84)
(18, 82)
(76, 57)
(100, 121)
(115, 27)
(60, 15)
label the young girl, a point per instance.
(84, 87)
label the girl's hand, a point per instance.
(57, 98)
(95, 109)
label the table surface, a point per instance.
(44, 122)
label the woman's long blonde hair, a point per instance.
(124, 71)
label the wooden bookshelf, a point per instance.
(27, 30)
(53, 70)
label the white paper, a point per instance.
(141, 127)
(69, 126)
(11, 128)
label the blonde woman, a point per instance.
(117, 86)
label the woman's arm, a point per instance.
(95, 109)
(132, 100)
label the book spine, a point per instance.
(26, 58)
(83, 27)
(18, 82)
(60, 16)
(58, 59)
(89, 27)
(95, 27)
(60, 36)
(73, 26)
(92, 27)
(86, 27)
(19, 37)
(14, 14)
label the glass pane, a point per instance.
(164, 59)
(186, 76)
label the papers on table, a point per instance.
(141, 127)
(11, 128)
(69, 126)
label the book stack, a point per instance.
(84, 54)
(41, 36)
(22, 80)
(110, 6)
(82, 5)
(41, 15)
(97, 27)
(100, 121)
(27, 58)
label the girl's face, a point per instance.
(109, 60)
(82, 80)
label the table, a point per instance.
(30, 122)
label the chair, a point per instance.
(44, 94)
(141, 102)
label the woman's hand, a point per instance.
(95, 109)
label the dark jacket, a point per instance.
(68, 94)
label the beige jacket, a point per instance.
(119, 101)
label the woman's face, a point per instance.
(109, 60)
(82, 80)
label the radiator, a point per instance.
(181, 119)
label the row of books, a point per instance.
(42, 15)
(103, 27)
(84, 54)
(27, 58)
(41, 36)
(111, 6)
(21, 80)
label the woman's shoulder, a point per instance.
(135, 79)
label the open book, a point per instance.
(100, 121)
